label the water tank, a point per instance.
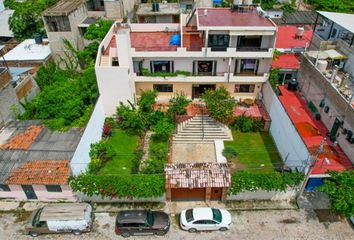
(247, 2)
(300, 31)
(292, 85)
(322, 65)
(38, 39)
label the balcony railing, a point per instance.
(251, 49)
(249, 74)
(218, 49)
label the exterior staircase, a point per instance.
(200, 129)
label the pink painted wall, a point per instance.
(18, 194)
(43, 195)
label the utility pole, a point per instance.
(312, 165)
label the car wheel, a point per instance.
(77, 232)
(125, 234)
(34, 234)
(223, 229)
(160, 233)
(192, 230)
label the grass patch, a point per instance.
(124, 144)
(256, 151)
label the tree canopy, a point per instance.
(27, 19)
(343, 6)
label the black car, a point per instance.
(142, 222)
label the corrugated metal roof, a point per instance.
(49, 145)
(197, 175)
(296, 18)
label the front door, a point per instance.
(30, 194)
(334, 129)
(199, 89)
(216, 194)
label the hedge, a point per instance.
(247, 181)
(120, 186)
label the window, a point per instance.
(204, 222)
(189, 215)
(204, 68)
(244, 88)
(218, 42)
(161, 66)
(216, 215)
(4, 188)
(53, 188)
(102, 3)
(163, 87)
(58, 23)
(249, 42)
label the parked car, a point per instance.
(197, 219)
(142, 222)
(75, 218)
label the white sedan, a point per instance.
(198, 219)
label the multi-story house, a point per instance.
(207, 49)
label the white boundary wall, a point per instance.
(288, 141)
(289, 194)
(92, 134)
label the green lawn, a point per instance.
(124, 145)
(256, 151)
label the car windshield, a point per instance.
(150, 218)
(216, 215)
(35, 221)
(189, 215)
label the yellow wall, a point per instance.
(186, 88)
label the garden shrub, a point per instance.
(107, 130)
(247, 181)
(101, 150)
(247, 124)
(164, 128)
(229, 152)
(158, 153)
(94, 166)
(134, 185)
(139, 153)
(257, 125)
(130, 119)
(178, 104)
(147, 100)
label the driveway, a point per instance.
(250, 225)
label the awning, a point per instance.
(328, 54)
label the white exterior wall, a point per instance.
(289, 143)
(92, 134)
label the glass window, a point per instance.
(189, 215)
(163, 87)
(216, 215)
(150, 219)
(161, 66)
(4, 188)
(53, 188)
(244, 88)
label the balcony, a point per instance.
(248, 78)
(218, 77)
(251, 49)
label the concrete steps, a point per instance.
(201, 129)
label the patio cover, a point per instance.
(328, 54)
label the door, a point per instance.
(334, 129)
(199, 89)
(30, 194)
(186, 194)
(216, 194)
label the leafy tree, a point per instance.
(98, 30)
(340, 190)
(220, 103)
(344, 6)
(27, 19)
(289, 7)
(147, 100)
(130, 119)
(178, 104)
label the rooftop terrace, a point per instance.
(145, 9)
(287, 37)
(224, 17)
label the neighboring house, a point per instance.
(297, 18)
(158, 13)
(5, 33)
(28, 54)
(35, 162)
(16, 85)
(111, 9)
(61, 22)
(291, 42)
(214, 46)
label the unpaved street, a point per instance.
(281, 224)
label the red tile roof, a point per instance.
(152, 41)
(286, 37)
(44, 172)
(254, 111)
(287, 61)
(312, 132)
(197, 175)
(23, 140)
(224, 17)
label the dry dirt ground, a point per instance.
(250, 225)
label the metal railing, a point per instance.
(251, 49)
